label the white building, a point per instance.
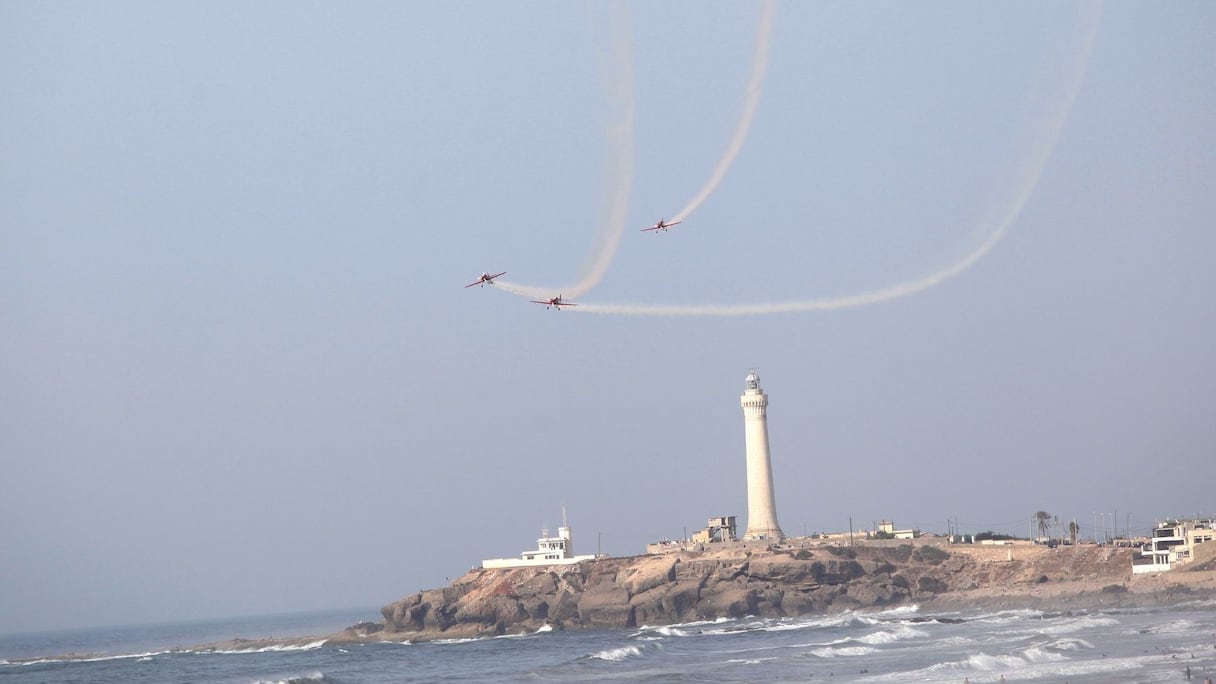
(887, 527)
(557, 550)
(1173, 543)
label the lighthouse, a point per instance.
(761, 507)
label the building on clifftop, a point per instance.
(557, 550)
(1173, 544)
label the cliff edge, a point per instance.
(684, 586)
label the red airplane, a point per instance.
(553, 302)
(485, 278)
(661, 225)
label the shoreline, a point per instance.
(1038, 579)
(1175, 588)
(1083, 595)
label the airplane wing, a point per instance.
(498, 274)
(475, 282)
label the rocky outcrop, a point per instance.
(677, 587)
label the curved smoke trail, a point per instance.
(750, 103)
(618, 176)
(617, 67)
(1049, 130)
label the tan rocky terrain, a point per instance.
(788, 580)
(798, 578)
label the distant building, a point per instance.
(719, 529)
(1173, 544)
(557, 550)
(886, 529)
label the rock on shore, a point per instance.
(766, 582)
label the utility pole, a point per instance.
(850, 530)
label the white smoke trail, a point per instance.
(618, 175)
(1049, 129)
(751, 102)
(617, 69)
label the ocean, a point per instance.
(904, 644)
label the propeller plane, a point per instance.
(661, 225)
(485, 279)
(553, 302)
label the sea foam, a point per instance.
(842, 651)
(271, 649)
(891, 635)
(319, 677)
(616, 655)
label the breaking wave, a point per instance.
(1070, 644)
(1038, 654)
(845, 651)
(1173, 627)
(749, 661)
(988, 666)
(138, 657)
(892, 634)
(1008, 616)
(466, 640)
(616, 655)
(899, 611)
(319, 677)
(681, 629)
(1078, 624)
(274, 648)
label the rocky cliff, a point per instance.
(686, 586)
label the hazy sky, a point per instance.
(239, 372)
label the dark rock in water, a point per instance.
(942, 620)
(363, 629)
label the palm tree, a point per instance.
(1043, 518)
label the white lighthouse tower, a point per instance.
(761, 507)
